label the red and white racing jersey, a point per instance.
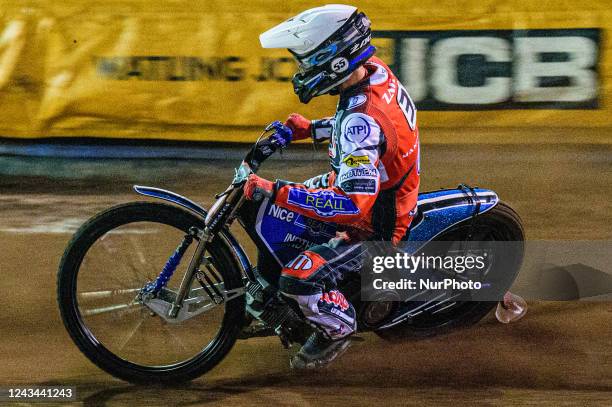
(374, 152)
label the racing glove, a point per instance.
(300, 126)
(257, 188)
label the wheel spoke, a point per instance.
(106, 293)
(177, 340)
(107, 309)
(131, 334)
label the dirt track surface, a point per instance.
(560, 354)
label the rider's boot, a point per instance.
(319, 350)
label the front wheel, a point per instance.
(106, 264)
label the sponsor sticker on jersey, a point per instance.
(323, 203)
(355, 101)
(357, 129)
(297, 242)
(359, 186)
(281, 213)
(356, 160)
(314, 227)
(379, 76)
(358, 173)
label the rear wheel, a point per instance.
(501, 223)
(109, 260)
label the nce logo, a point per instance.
(498, 69)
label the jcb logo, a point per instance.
(498, 69)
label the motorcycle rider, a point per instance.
(371, 190)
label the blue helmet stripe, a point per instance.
(368, 52)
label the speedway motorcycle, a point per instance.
(161, 291)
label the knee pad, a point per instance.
(301, 275)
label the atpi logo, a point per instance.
(335, 298)
(357, 127)
(357, 130)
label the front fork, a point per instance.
(187, 302)
(196, 260)
(153, 290)
(170, 309)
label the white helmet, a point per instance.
(329, 43)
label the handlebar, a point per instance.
(262, 149)
(282, 134)
(229, 200)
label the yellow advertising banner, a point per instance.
(194, 70)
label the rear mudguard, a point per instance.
(440, 210)
(226, 235)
